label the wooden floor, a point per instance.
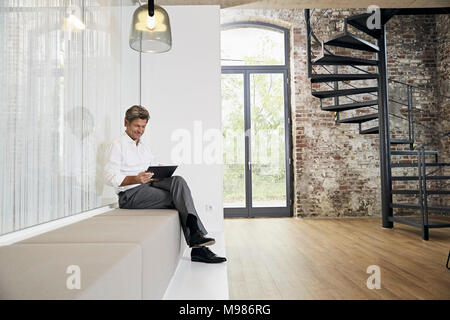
(290, 258)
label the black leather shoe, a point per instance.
(197, 240)
(204, 254)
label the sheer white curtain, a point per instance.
(59, 107)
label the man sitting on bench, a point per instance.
(129, 159)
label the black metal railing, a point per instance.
(423, 177)
(411, 119)
(428, 174)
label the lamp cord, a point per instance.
(140, 78)
(151, 8)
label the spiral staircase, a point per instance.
(374, 42)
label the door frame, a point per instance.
(246, 71)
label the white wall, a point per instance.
(181, 89)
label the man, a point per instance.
(126, 171)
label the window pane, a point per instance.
(267, 140)
(233, 140)
(252, 46)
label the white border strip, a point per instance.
(26, 233)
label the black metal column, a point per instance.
(410, 119)
(383, 120)
(308, 41)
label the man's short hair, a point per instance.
(136, 112)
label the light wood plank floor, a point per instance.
(290, 258)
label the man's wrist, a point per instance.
(130, 180)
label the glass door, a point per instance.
(267, 157)
(256, 144)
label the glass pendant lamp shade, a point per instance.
(150, 33)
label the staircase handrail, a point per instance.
(416, 87)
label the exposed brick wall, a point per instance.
(443, 80)
(336, 169)
(412, 59)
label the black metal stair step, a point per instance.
(350, 106)
(316, 78)
(399, 141)
(373, 130)
(418, 192)
(344, 92)
(360, 22)
(412, 152)
(417, 222)
(328, 59)
(416, 206)
(359, 119)
(412, 165)
(412, 178)
(348, 40)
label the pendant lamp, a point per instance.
(150, 29)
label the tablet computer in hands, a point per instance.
(161, 172)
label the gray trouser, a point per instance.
(169, 193)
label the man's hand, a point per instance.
(144, 177)
(141, 178)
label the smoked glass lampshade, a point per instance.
(150, 34)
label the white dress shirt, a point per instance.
(127, 159)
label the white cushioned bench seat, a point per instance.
(152, 242)
(38, 271)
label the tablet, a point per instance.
(161, 172)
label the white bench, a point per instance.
(122, 254)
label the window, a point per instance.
(252, 45)
(58, 86)
(255, 117)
